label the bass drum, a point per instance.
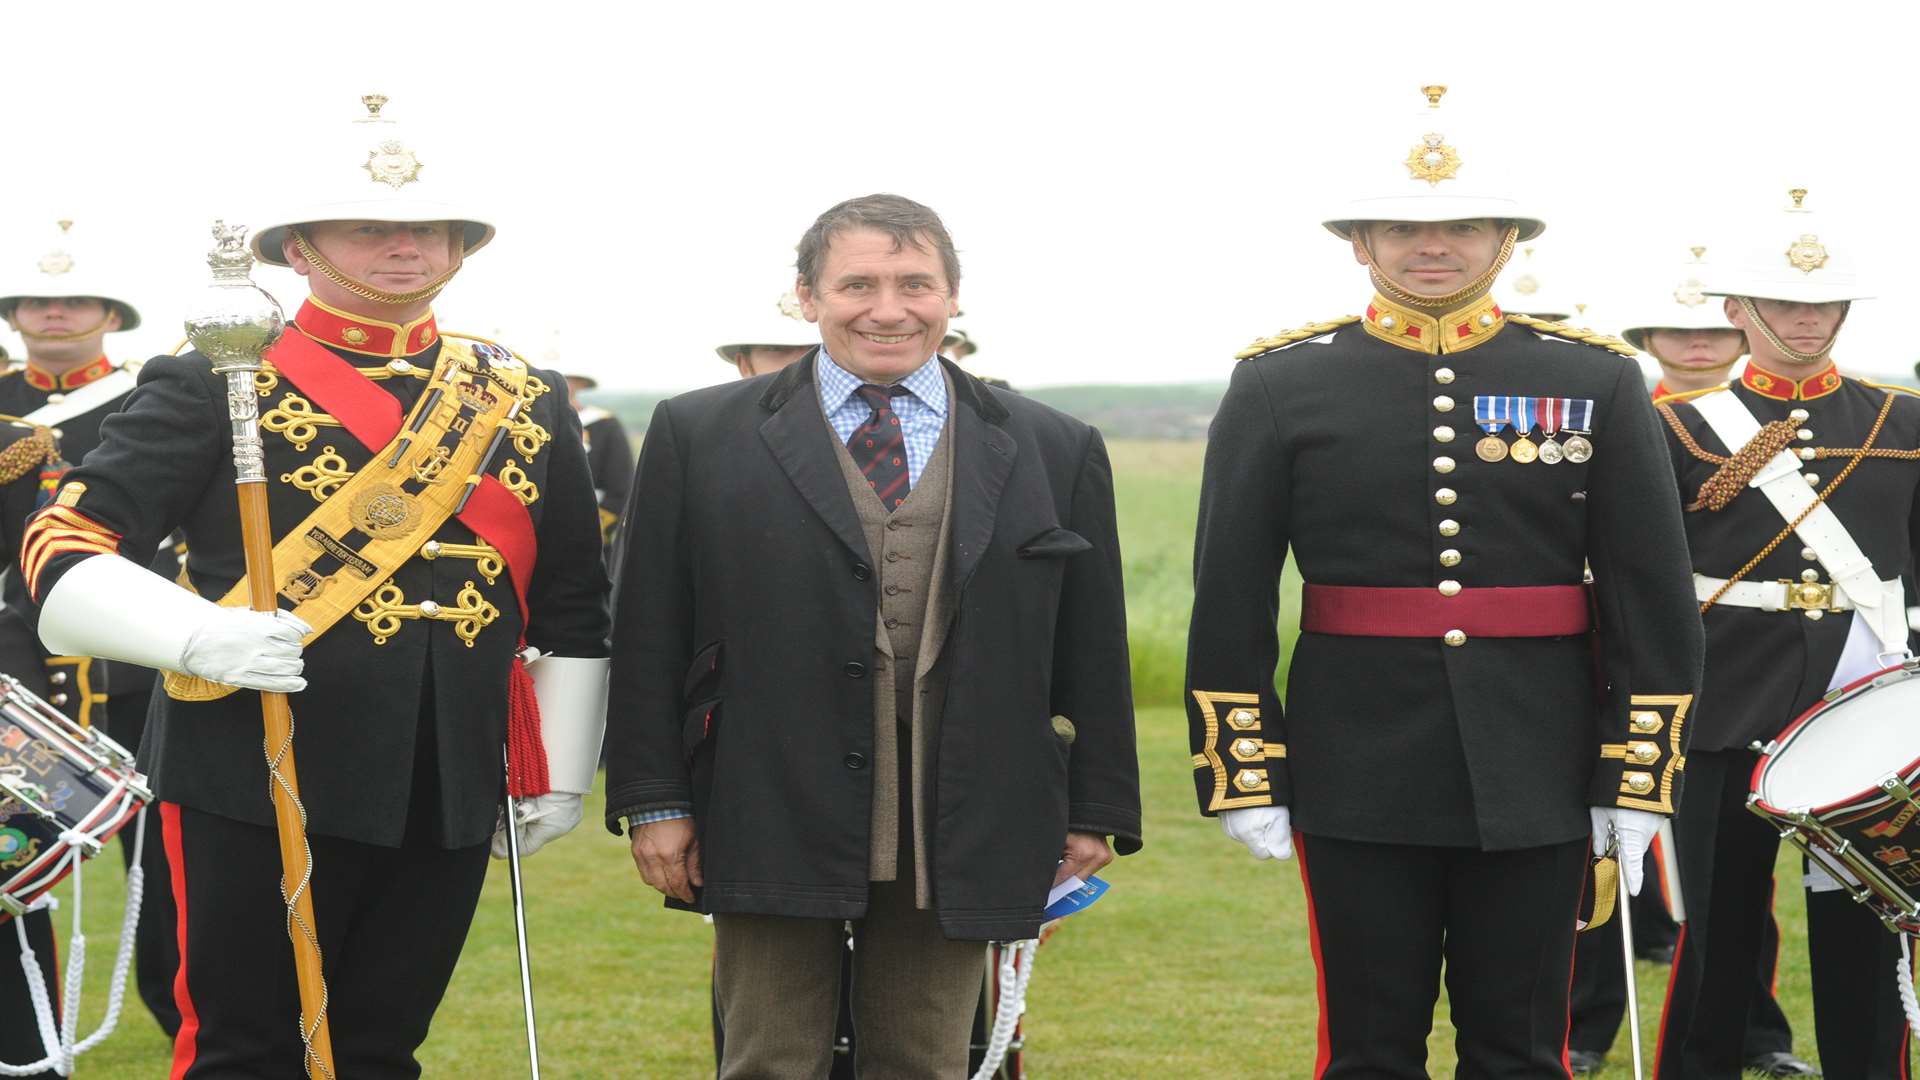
(1842, 783)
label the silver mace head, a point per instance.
(236, 320)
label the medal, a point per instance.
(1523, 450)
(1547, 411)
(1489, 414)
(1579, 418)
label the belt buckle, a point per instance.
(1809, 595)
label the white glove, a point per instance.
(109, 607)
(542, 818)
(1633, 830)
(1266, 830)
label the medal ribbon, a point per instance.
(1522, 409)
(1547, 413)
(1579, 415)
(1491, 413)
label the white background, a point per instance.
(1135, 189)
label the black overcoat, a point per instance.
(745, 623)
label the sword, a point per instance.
(520, 925)
(1670, 871)
(1626, 952)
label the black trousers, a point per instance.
(156, 957)
(1385, 918)
(1726, 871)
(1600, 983)
(391, 925)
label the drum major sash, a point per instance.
(426, 470)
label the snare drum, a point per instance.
(65, 790)
(1842, 783)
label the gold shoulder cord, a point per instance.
(1858, 456)
(1288, 337)
(1585, 337)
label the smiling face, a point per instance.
(882, 306)
(1429, 258)
(393, 257)
(1805, 328)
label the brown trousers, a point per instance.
(777, 983)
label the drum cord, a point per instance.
(59, 1041)
(1905, 971)
(1011, 1005)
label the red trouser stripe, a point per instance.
(186, 1044)
(1673, 976)
(1319, 966)
(1566, 1036)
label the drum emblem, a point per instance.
(1899, 864)
(16, 850)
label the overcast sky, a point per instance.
(1135, 189)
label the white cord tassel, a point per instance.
(1905, 969)
(59, 1041)
(1012, 1005)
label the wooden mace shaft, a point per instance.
(256, 535)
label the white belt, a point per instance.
(1779, 595)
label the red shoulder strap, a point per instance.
(369, 413)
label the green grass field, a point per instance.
(1195, 965)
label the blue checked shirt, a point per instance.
(923, 416)
(922, 409)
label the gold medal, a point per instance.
(1491, 448)
(1524, 451)
(1550, 451)
(1578, 449)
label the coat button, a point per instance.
(893, 556)
(1449, 527)
(1443, 464)
(1443, 376)
(1449, 587)
(1455, 638)
(892, 623)
(854, 761)
(892, 590)
(1443, 434)
(1445, 496)
(1443, 403)
(855, 670)
(58, 678)
(58, 699)
(861, 571)
(1450, 557)
(893, 526)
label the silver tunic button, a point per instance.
(1449, 527)
(1443, 464)
(399, 367)
(1443, 434)
(429, 608)
(1443, 403)
(1450, 557)
(1443, 376)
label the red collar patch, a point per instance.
(370, 337)
(42, 379)
(1781, 388)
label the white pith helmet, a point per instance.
(1423, 173)
(1532, 286)
(1795, 256)
(371, 169)
(783, 328)
(61, 267)
(1684, 306)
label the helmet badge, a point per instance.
(1432, 159)
(1806, 254)
(389, 162)
(57, 261)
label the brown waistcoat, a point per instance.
(908, 548)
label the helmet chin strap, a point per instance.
(363, 290)
(1394, 291)
(1753, 313)
(78, 335)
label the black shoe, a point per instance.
(1780, 1063)
(1585, 1062)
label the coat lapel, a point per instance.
(983, 455)
(799, 441)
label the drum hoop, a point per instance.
(38, 877)
(1833, 699)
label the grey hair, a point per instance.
(906, 221)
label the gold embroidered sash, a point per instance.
(382, 515)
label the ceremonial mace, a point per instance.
(236, 323)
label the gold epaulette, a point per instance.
(1288, 337)
(1892, 386)
(1688, 395)
(1585, 337)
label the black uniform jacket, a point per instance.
(610, 457)
(20, 651)
(166, 462)
(25, 390)
(1764, 668)
(1358, 454)
(746, 593)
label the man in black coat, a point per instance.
(1790, 613)
(872, 665)
(440, 567)
(1447, 750)
(609, 457)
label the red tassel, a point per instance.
(526, 753)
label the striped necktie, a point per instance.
(879, 447)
